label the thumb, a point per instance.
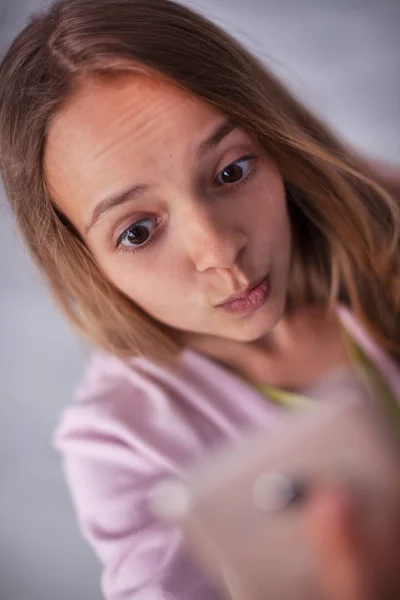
(337, 547)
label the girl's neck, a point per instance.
(300, 349)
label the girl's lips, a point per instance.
(254, 299)
(243, 294)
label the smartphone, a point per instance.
(241, 511)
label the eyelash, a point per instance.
(252, 171)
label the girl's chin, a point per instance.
(255, 329)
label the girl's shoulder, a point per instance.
(130, 403)
(386, 365)
(156, 412)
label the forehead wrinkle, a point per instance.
(144, 117)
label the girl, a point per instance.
(215, 241)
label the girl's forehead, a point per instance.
(113, 131)
(132, 95)
(134, 108)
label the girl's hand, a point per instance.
(349, 566)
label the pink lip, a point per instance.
(243, 294)
(256, 298)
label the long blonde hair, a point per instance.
(345, 224)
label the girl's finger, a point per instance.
(338, 550)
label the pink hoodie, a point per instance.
(133, 423)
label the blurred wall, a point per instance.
(339, 55)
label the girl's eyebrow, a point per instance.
(116, 199)
(113, 201)
(221, 131)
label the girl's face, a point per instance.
(179, 208)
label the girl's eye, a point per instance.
(236, 171)
(136, 235)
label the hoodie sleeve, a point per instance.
(117, 441)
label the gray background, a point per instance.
(342, 57)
